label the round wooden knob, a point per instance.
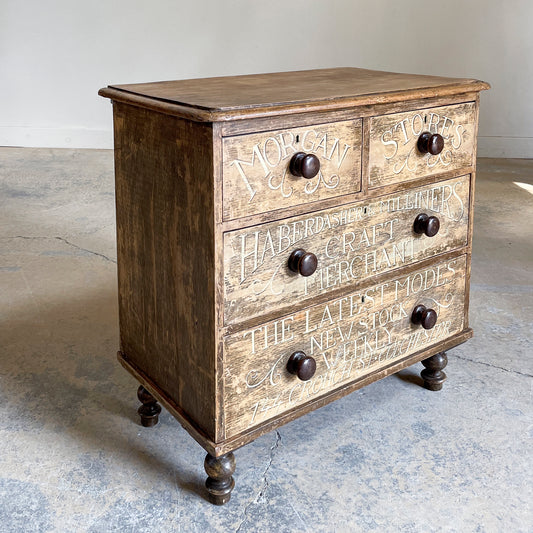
(432, 143)
(425, 224)
(303, 262)
(302, 365)
(427, 318)
(304, 165)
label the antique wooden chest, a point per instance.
(285, 239)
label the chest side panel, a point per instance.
(165, 250)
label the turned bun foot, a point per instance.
(220, 482)
(433, 375)
(149, 410)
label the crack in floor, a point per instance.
(62, 239)
(494, 366)
(85, 249)
(264, 482)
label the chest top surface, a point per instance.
(224, 98)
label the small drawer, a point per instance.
(399, 143)
(350, 243)
(258, 176)
(338, 342)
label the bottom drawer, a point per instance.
(348, 338)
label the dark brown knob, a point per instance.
(303, 262)
(430, 142)
(304, 165)
(425, 224)
(302, 365)
(427, 318)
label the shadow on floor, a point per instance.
(59, 374)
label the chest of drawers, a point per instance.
(284, 239)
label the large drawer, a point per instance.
(394, 156)
(348, 338)
(256, 176)
(352, 242)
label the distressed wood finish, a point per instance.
(365, 193)
(164, 184)
(351, 244)
(348, 338)
(231, 444)
(393, 153)
(258, 124)
(282, 93)
(256, 175)
(249, 296)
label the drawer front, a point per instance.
(256, 176)
(348, 338)
(394, 156)
(351, 243)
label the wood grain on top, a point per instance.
(223, 98)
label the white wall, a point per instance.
(56, 54)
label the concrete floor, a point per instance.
(390, 457)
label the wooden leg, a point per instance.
(433, 375)
(220, 482)
(149, 410)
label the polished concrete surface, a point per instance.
(390, 457)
